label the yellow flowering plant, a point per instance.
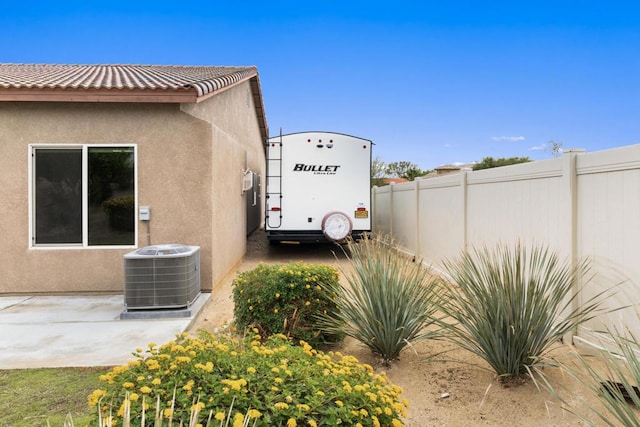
(286, 299)
(211, 380)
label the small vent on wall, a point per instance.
(247, 180)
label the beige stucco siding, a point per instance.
(237, 145)
(173, 174)
(190, 163)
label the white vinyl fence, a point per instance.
(582, 205)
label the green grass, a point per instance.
(33, 397)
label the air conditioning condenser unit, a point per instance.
(162, 277)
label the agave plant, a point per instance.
(389, 300)
(512, 303)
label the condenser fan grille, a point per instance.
(162, 278)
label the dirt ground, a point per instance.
(440, 393)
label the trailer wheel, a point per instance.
(336, 226)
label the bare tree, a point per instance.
(555, 148)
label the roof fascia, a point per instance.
(223, 89)
(95, 95)
(256, 92)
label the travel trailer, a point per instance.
(318, 187)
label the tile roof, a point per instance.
(394, 180)
(201, 80)
(125, 83)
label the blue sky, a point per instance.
(431, 82)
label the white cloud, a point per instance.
(556, 151)
(447, 146)
(508, 138)
(540, 147)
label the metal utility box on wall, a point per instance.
(162, 277)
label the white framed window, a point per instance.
(83, 195)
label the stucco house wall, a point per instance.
(235, 149)
(190, 159)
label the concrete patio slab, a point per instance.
(64, 331)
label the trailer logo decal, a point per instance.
(316, 169)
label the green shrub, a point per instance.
(390, 300)
(275, 384)
(284, 298)
(512, 303)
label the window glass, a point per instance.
(111, 215)
(108, 187)
(58, 196)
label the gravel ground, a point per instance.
(440, 392)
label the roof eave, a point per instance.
(256, 92)
(99, 95)
(228, 86)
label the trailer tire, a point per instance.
(336, 226)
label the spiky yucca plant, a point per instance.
(615, 387)
(511, 303)
(389, 299)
